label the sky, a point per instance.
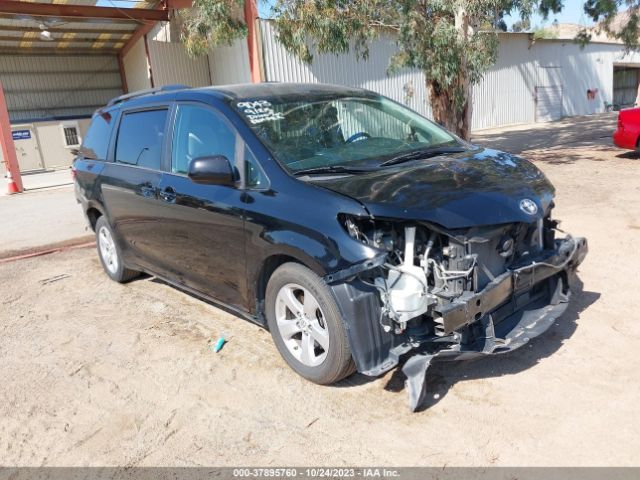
(571, 13)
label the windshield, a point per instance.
(340, 132)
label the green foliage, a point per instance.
(544, 33)
(426, 34)
(335, 26)
(452, 42)
(211, 23)
(521, 26)
(619, 18)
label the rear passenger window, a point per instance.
(200, 132)
(140, 138)
(96, 140)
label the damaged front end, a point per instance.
(451, 294)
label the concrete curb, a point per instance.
(21, 254)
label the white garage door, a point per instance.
(549, 103)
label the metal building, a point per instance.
(59, 63)
(532, 81)
(60, 60)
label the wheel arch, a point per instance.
(93, 213)
(269, 265)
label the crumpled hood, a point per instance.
(479, 187)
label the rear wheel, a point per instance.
(110, 255)
(306, 325)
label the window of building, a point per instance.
(140, 138)
(70, 135)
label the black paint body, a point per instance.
(222, 241)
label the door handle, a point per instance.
(147, 190)
(168, 195)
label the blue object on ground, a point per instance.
(218, 345)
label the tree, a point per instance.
(623, 25)
(541, 33)
(452, 42)
(521, 26)
(211, 23)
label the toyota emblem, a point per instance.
(528, 206)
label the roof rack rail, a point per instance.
(148, 91)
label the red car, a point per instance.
(628, 133)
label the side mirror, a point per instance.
(212, 170)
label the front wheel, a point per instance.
(306, 325)
(110, 255)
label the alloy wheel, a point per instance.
(108, 250)
(302, 325)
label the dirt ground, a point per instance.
(96, 373)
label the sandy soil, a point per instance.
(96, 373)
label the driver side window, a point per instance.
(200, 132)
(357, 117)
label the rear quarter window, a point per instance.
(96, 141)
(140, 138)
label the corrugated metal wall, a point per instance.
(58, 86)
(170, 64)
(230, 64)
(136, 67)
(625, 86)
(507, 93)
(280, 66)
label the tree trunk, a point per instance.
(447, 112)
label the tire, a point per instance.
(306, 325)
(110, 254)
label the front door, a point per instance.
(202, 225)
(27, 149)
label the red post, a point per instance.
(250, 16)
(123, 75)
(8, 148)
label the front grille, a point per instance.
(506, 246)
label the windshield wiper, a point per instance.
(330, 169)
(421, 154)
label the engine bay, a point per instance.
(427, 268)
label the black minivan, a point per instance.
(351, 227)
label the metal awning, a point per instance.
(70, 27)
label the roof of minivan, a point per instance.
(275, 89)
(239, 92)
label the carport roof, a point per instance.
(74, 26)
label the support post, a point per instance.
(146, 51)
(123, 74)
(250, 17)
(8, 148)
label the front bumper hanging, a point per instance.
(515, 307)
(504, 316)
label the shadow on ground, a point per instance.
(588, 130)
(565, 156)
(629, 155)
(443, 375)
